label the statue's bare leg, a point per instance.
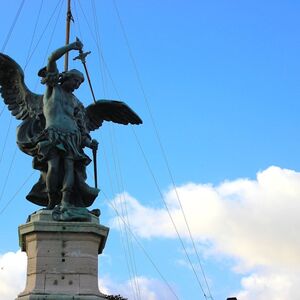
(52, 181)
(68, 182)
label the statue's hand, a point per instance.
(78, 44)
(94, 145)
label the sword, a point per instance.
(82, 55)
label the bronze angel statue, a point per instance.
(55, 129)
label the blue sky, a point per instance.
(221, 79)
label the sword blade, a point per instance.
(89, 80)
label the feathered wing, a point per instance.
(20, 100)
(110, 110)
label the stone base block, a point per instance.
(60, 297)
(62, 258)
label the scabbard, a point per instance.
(95, 167)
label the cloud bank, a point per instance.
(137, 288)
(255, 222)
(12, 274)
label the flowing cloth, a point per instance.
(67, 143)
(40, 143)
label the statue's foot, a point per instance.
(96, 212)
(65, 206)
(68, 212)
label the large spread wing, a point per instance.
(110, 110)
(20, 100)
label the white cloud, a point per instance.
(268, 285)
(256, 222)
(137, 288)
(12, 274)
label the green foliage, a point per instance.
(115, 297)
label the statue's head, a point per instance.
(71, 80)
(64, 76)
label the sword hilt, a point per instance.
(82, 55)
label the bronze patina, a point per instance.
(55, 129)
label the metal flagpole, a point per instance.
(69, 18)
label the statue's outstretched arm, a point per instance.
(57, 54)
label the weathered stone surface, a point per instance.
(61, 297)
(62, 258)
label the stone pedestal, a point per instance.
(62, 258)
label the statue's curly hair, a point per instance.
(58, 77)
(68, 74)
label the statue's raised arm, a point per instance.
(57, 54)
(51, 68)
